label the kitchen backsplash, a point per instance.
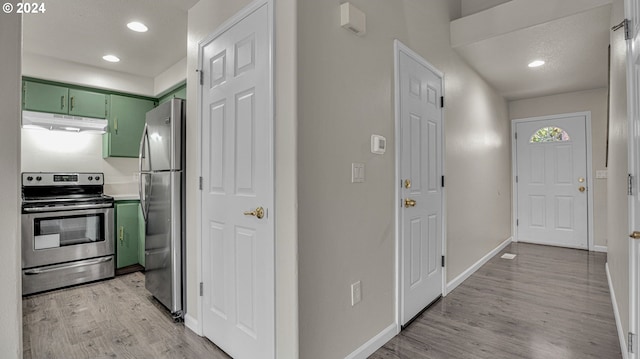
(56, 151)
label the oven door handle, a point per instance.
(67, 208)
(57, 267)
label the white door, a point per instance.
(237, 195)
(551, 162)
(632, 13)
(420, 175)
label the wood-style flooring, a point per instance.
(116, 318)
(548, 303)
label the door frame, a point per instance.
(397, 48)
(514, 169)
(225, 26)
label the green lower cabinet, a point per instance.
(127, 233)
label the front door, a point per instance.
(551, 181)
(237, 187)
(420, 172)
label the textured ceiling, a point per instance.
(82, 31)
(574, 48)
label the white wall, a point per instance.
(170, 77)
(49, 68)
(617, 228)
(592, 100)
(58, 151)
(470, 7)
(204, 18)
(10, 277)
(346, 231)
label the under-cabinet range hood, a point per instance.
(56, 122)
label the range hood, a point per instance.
(55, 122)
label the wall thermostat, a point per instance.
(378, 144)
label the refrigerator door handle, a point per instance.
(141, 155)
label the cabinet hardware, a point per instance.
(121, 233)
(71, 105)
(62, 102)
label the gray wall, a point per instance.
(617, 229)
(346, 231)
(10, 295)
(591, 100)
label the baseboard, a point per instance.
(467, 273)
(192, 323)
(621, 334)
(374, 343)
(602, 249)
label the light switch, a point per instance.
(357, 172)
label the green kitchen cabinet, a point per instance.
(127, 233)
(180, 92)
(44, 97)
(126, 122)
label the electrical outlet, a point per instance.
(356, 293)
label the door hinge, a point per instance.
(630, 340)
(516, 135)
(201, 289)
(200, 76)
(516, 179)
(626, 24)
(443, 181)
(517, 222)
(629, 184)
(443, 261)
(200, 183)
(441, 101)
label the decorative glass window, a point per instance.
(549, 134)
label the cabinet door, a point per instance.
(126, 234)
(126, 121)
(45, 97)
(87, 104)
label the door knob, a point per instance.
(581, 189)
(408, 202)
(258, 212)
(635, 235)
(407, 183)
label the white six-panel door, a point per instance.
(552, 182)
(237, 194)
(420, 172)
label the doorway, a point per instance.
(237, 185)
(420, 181)
(552, 180)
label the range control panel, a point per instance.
(61, 179)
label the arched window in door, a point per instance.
(549, 134)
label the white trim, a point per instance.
(225, 26)
(374, 343)
(397, 48)
(590, 186)
(602, 249)
(467, 273)
(616, 312)
(192, 324)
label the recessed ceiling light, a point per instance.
(111, 58)
(137, 26)
(536, 63)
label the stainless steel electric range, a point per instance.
(67, 230)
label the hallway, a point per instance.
(548, 302)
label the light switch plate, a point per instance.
(357, 172)
(356, 293)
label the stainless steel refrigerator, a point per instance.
(162, 193)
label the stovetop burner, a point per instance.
(49, 189)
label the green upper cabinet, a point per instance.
(127, 233)
(87, 104)
(126, 122)
(43, 97)
(180, 92)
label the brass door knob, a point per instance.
(408, 202)
(407, 183)
(635, 235)
(581, 189)
(258, 212)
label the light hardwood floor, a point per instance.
(116, 318)
(548, 303)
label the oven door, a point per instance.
(65, 236)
